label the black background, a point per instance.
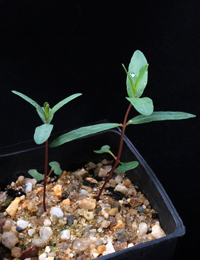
(52, 49)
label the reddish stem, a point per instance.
(119, 151)
(45, 174)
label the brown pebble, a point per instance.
(127, 183)
(133, 212)
(87, 203)
(120, 224)
(58, 191)
(31, 252)
(113, 211)
(101, 249)
(13, 207)
(66, 201)
(16, 252)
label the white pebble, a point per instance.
(42, 256)
(56, 211)
(65, 234)
(109, 248)
(33, 181)
(45, 233)
(118, 179)
(143, 228)
(84, 192)
(157, 231)
(47, 222)
(22, 223)
(31, 232)
(28, 186)
(47, 249)
(121, 188)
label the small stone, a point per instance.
(121, 188)
(39, 243)
(118, 179)
(65, 234)
(105, 223)
(32, 207)
(101, 249)
(88, 215)
(140, 209)
(143, 228)
(115, 204)
(13, 207)
(87, 203)
(19, 229)
(50, 258)
(79, 173)
(81, 244)
(28, 186)
(16, 252)
(70, 220)
(56, 211)
(31, 232)
(58, 191)
(45, 233)
(133, 212)
(119, 224)
(66, 201)
(109, 248)
(42, 256)
(31, 252)
(83, 192)
(113, 211)
(33, 181)
(22, 223)
(20, 179)
(102, 172)
(9, 239)
(99, 242)
(127, 183)
(47, 249)
(47, 222)
(157, 231)
(92, 180)
(122, 235)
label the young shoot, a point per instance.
(136, 81)
(42, 134)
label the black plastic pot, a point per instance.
(16, 160)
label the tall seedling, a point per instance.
(42, 134)
(136, 81)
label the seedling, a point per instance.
(136, 82)
(42, 134)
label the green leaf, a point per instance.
(56, 168)
(143, 105)
(141, 81)
(127, 166)
(160, 116)
(63, 102)
(81, 132)
(39, 109)
(104, 149)
(36, 175)
(29, 100)
(137, 71)
(46, 110)
(130, 85)
(41, 113)
(42, 133)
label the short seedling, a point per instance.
(42, 134)
(136, 82)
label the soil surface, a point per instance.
(75, 225)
